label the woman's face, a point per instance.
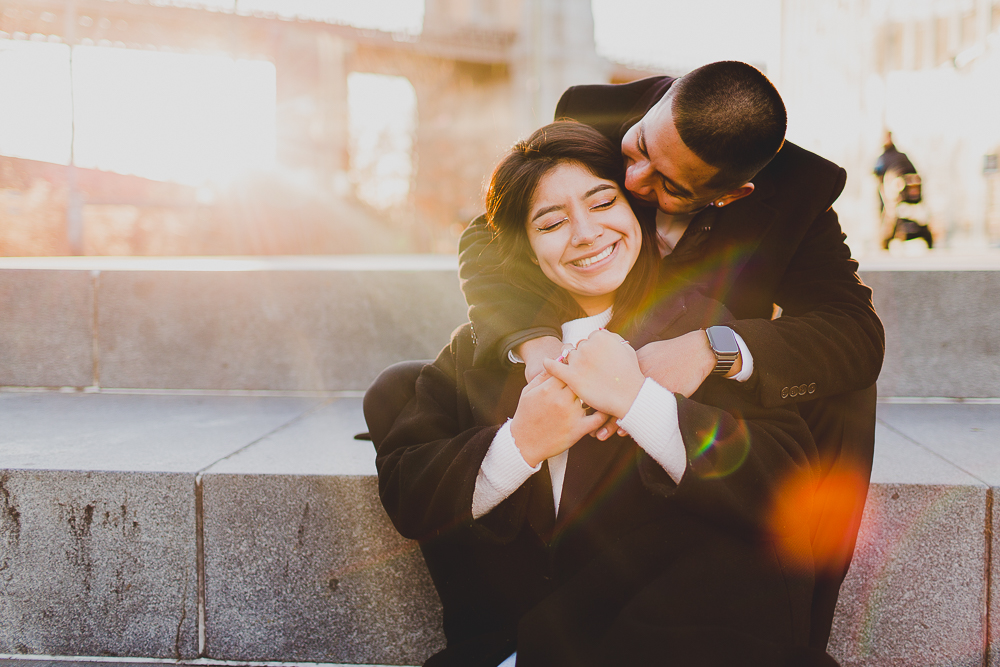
(584, 234)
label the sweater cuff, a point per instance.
(747, 370)
(502, 472)
(652, 423)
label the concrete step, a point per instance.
(68, 661)
(248, 528)
(173, 527)
(333, 323)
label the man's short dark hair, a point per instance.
(730, 115)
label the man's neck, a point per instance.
(670, 228)
(671, 219)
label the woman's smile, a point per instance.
(588, 261)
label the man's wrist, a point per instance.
(541, 346)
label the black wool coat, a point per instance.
(635, 569)
(780, 245)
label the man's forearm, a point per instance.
(501, 311)
(681, 364)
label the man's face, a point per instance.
(661, 169)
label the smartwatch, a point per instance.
(722, 340)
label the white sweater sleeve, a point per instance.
(652, 423)
(502, 472)
(747, 369)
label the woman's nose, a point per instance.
(585, 232)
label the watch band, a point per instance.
(722, 340)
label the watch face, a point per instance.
(722, 340)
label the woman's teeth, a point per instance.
(583, 263)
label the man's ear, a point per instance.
(733, 195)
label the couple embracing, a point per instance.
(635, 453)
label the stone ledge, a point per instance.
(333, 323)
(300, 564)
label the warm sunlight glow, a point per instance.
(35, 104)
(383, 116)
(191, 119)
(389, 15)
(176, 117)
(680, 36)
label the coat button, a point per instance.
(802, 390)
(812, 388)
(793, 392)
(784, 392)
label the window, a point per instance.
(942, 40)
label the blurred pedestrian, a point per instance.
(900, 191)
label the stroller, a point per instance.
(904, 215)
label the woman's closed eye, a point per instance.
(548, 226)
(604, 203)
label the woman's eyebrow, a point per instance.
(543, 211)
(598, 188)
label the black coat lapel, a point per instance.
(714, 252)
(670, 308)
(590, 461)
(541, 506)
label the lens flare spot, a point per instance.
(720, 453)
(829, 508)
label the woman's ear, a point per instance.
(534, 260)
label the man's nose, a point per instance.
(637, 177)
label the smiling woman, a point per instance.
(557, 198)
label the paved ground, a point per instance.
(123, 662)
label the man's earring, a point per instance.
(720, 203)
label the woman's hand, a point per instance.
(603, 370)
(549, 419)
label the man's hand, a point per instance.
(679, 364)
(535, 350)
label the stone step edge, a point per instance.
(200, 662)
(358, 393)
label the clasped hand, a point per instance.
(601, 372)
